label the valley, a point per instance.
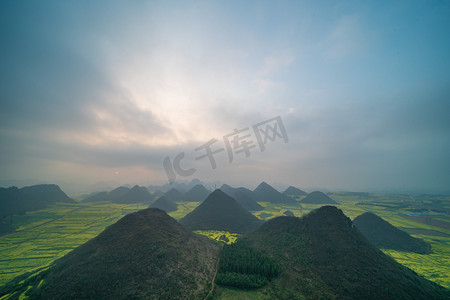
(47, 234)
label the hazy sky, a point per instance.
(106, 90)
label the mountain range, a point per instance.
(16, 201)
(123, 195)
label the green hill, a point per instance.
(198, 193)
(220, 212)
(164, 204)
(384, 235)
(157, 193)
(318, 198)
(145, 255)
(243, 196)
(174, 195)
(293, 191)
(15, 201)
(264, 192)
(118, 193)
(323, 256)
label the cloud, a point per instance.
(274, 63)
(88, 88)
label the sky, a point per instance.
(110, 90)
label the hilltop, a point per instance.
(323, 256)
(220, 212)
(384, 235)
(145, 255)
(318, 197)
(293, 191)
(266, 193)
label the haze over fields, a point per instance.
(109, 90)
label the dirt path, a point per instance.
(214, 279)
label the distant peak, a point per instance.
(264, 186)
(198, 186)
(217, 193)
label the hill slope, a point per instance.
(324, 256)
(137, 194)
(174, 195)
(243, 196)
(220, 212)
(318, 198)
(384, 235)
(198, 193)
(164, 204)
(145, 255)
(293, 191)
(264, 192)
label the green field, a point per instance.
(45, 235)
(222, 236)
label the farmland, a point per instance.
(222, 236)
(45, 235)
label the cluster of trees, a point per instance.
(242, 266)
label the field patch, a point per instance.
(429, 221)
(221, 236)
(45, 235)
(429, 232)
